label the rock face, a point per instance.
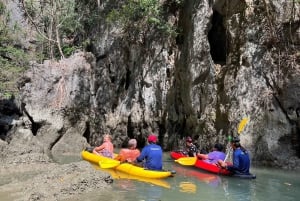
(232, 59)
(56, 101)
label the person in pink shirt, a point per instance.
(106, 148)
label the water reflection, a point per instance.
(238, 189)
(208, 178)
(152, 193)
(187, 187)
(195, 185)
(124, 177)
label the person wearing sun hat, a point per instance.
(151, 154)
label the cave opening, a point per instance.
(87, 132)
(35, 126)
(218, 39)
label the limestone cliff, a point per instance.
(232, 59)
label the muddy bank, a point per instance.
(30, 177)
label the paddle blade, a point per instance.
(188, 161)
(242, 124)
(108, 164)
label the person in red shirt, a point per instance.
(106, 148)
(129, 154)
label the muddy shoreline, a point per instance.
(30, 177)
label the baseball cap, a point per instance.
(152, 138)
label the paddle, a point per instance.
(109, 164)
(188, 161)
(240, 129)
(242, 124)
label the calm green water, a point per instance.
(192, 184)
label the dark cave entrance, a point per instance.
(218, 39)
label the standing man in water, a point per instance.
(152, 154)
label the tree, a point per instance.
(143, 16)
(54, 20)
(13, 60)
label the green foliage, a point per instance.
(57, 23)
(2, 8)
(134, 11)
(141, 15)
(13, 60)
(30, 7)
(69, 50)
(8, 95)
(69, 23)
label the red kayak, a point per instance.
(201, 164)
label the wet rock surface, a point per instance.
(37, 177)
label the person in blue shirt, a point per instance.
(152, 154)
(241, 159)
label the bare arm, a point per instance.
(98, 149)
(120, 156)
(222, 164)
(202, 156)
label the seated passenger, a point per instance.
(152, 155)
(191, 149)
(129, 154)
(106, 148)
(215, 155)
(240, 159)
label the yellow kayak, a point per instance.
(126, 167)
(93, 158)
(121, 175)
(141, 172)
